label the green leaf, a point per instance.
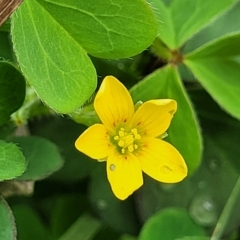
(106, 29)
(12, 90)
(5, 46)
(166, 29)
(231, 22)
(42, 156)
(52, 61)
(184, 130)
(29, 224)
(163, 223)
(7, 226)
(216, 65)
(12, 161)
(85, 227)
(186, 17)
(77, 165)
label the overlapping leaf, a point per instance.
(184, 18)
(216, 65)
(12, 90)
(42, 156)
(12, 161)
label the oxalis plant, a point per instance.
(120, 120)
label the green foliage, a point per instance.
(12, 90)
(7, 226)
(36, 229)
(212, 63)
(57, 53)
(12, 161)
(42, 157)
(162, 224)
(185, 18)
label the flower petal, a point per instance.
(154, 117)
(124, 174)
(94, 142)
(113, 103)
(161, 161)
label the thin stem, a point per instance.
(227, 211)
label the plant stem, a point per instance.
(227, 211)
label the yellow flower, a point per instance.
(130, 141)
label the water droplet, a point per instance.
(213, 164)
(120, 66)
(102, 204)
(112, 167)
(203, 210)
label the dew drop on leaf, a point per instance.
(203, 210)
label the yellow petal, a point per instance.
(94, 142)
(124, 174)
(154, 117)
(161, 161)
(113, 103)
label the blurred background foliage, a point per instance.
(181, 49)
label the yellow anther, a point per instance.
(135, 146)
(123, 150)
(121, 133)
(130, 148)
(116, 138)
(137, 136)
(134, 131)
(121, 143)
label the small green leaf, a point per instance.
(162, 224)
(12, 161)
(7, 226)
(42, 156)
(29, 224)
(216, 65)
(12, 90)
(186, 17)
(106, 29)
(52, 61)
(85, 227)
(184, 130)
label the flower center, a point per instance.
(127, 141)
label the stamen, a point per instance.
(121, 143)
(116, 138)
(130, 148)
(121, 133)
(126, 140)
